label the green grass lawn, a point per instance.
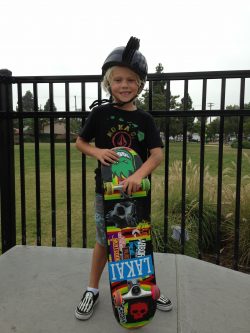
(193, 153)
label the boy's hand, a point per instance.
(131, 184)
(107, 156)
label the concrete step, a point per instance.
(41, 286)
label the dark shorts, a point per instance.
(99, 220)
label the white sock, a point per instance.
(94, 290)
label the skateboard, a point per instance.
(129, 247)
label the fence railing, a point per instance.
(12, 89)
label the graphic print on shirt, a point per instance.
(123, 132)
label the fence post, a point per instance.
(7, 166)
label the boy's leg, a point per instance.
(99, 259)
(91, 296)
(99, 256)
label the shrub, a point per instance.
(192, 209)
(209, 218)
(245, 144)
(228, 227)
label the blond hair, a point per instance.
(108, 77)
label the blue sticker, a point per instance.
(130, 269)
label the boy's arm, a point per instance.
(105, 156)
(133, 183)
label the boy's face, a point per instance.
(124, 85)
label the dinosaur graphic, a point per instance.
(125, 166)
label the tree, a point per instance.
(159, 102)
(197, 127)
(159, 95)
(247, 106)
(231, 124)
(28, 102)
(247, 122)
(47, 106)
(190, 120)
(27, 106)
(75, 125)
(213, 128)
(247, 127)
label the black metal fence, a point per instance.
(8, 114)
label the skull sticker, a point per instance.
(138, 310)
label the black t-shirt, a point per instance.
(112, 127)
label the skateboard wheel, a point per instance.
(109, 189)
(145, 184)
(155, 292)
(117, 297)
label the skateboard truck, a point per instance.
(135, 291)
(109, 187)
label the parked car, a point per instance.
(195, 138)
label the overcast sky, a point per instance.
(59, 37)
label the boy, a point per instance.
(118, 123)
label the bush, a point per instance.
(45, 138)
(192, 210)
(209, 218)
(245, 144)
(228, 227)
(28, 138)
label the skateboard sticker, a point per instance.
(126, 253)
(122, 215)
(122, 313)
(138, 310)
(125, 166)
(129, 243)
(137, 248)
(130, 269)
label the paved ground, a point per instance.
(40, 287)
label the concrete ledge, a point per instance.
(40, 287)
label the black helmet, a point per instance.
(128, 56)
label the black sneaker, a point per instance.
(85, 308)
(164, 303)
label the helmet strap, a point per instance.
(110, 100)
(124, 103)
(100, 102)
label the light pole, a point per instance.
(210, 107)
(75, 104)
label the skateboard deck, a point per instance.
(130, 253)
